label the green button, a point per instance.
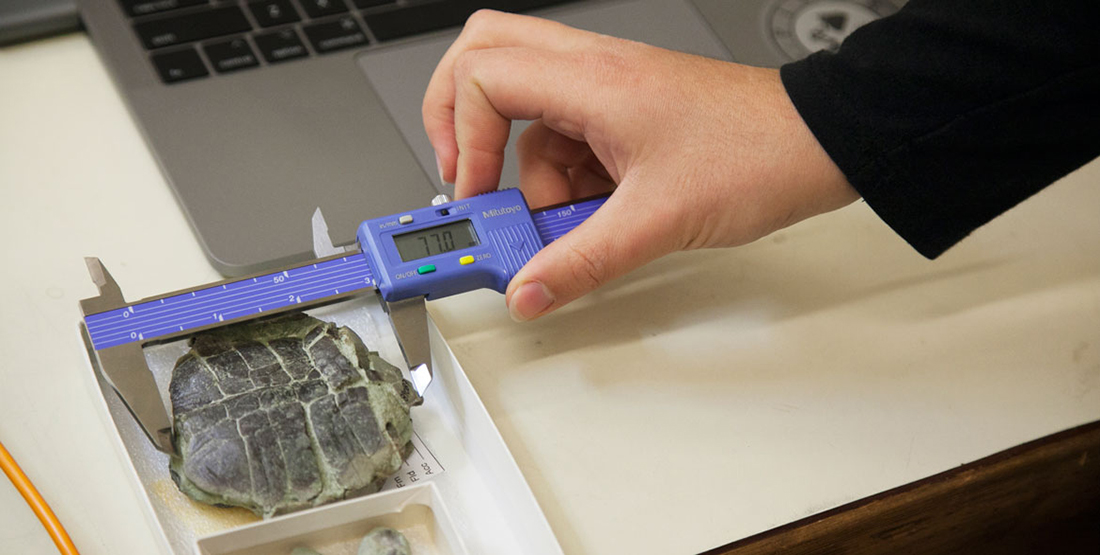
(426, 269)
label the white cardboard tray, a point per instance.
(418, 512)
(481, 495)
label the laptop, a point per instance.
(260, 111)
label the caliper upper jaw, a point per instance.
(322, 241)
(124, 366)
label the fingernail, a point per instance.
(529, 301)
(439, 168)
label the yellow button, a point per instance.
(466, 260)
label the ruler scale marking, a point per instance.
(224, 311)
(219, 303)
(140, 332)
(207, 307)
(208, 303)
(553, 223)
(214, 293)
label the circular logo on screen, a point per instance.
(802, 27)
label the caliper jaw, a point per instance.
(124, 366)
(408, 317)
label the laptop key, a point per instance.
(416, 19)
(169, 31)
(230, 55)
(280, 46)
(422, 18)
(137, 8)
(270, 13)
(179, 65)
(321, 8)
(335, 35)
(364, 4)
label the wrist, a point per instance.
(813, 172)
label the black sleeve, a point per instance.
(949, 112)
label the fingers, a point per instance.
(485, 29)
(554, 168)
(494, 87)
(619, 237)
(506, 67)
(481, 134)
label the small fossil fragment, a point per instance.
(384, 541)
(283, 414)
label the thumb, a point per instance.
(619, 237)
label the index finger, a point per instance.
(485, 29)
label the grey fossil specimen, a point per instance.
(384, 541)
(288, 413)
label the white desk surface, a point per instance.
(706, 397)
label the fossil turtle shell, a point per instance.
(287, 413)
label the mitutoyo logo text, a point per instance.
(501, 211)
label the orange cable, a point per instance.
(38, 505)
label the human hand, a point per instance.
(699, 152)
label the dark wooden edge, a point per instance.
(1026, 499)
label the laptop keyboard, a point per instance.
(191, 39)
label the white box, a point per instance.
(481, 495)
(417, 512)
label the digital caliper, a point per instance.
(424, 254)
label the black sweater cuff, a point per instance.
(947, 114)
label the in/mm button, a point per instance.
(426, 269)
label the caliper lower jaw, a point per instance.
(124, 366)
(409, 318)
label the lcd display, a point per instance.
(436, 240)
